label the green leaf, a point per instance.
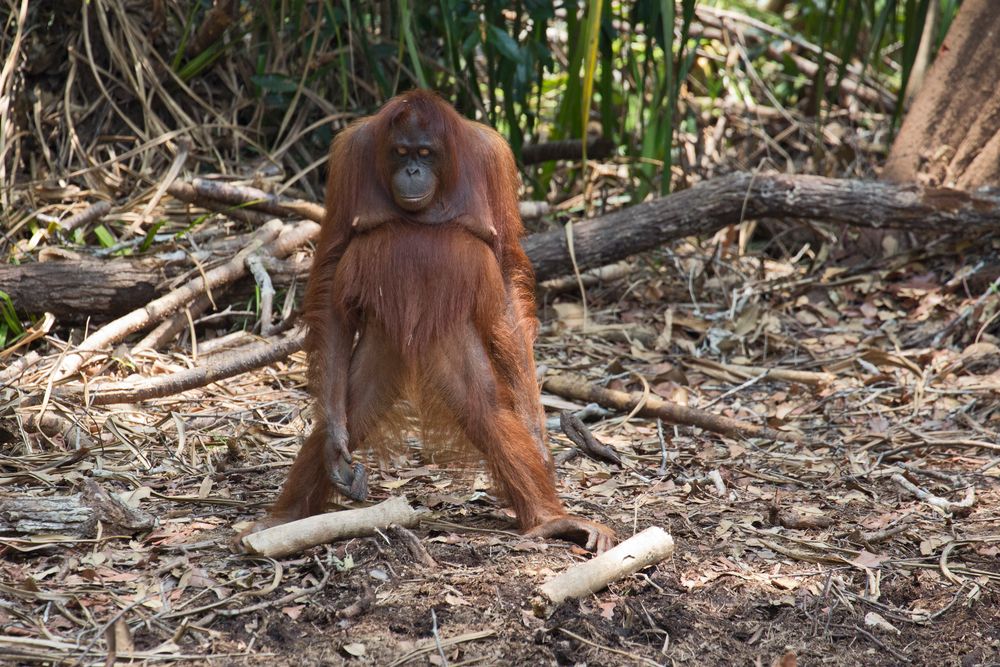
(150, 235)
(504, 43)
(593, 32)
(9, 317)
(105, 237)
(411, 43)
(275, 83)
(470, 43)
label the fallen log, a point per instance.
(712, 205)
(77, 290)
(88, 287)
(75, 514)
(700, 210)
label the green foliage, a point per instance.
(10, 325)
(590, 35)
(150, 237)
(104, 236)
(883, 35)
(545, 70)
(411, 43)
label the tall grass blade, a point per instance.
(411, 43)
(593, 32)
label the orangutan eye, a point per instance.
(424, 152)
(400, 151)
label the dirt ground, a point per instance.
(785, 554)
(876, 542)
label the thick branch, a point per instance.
(598, 148)
(714, 204)
(647, 548)
(213, 193)
(577, 388)
(222, 367)
(290, 538)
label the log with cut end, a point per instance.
(642, 550)
(290, 538)
(75, 515)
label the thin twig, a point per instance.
(937, 501)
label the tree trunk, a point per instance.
(951, 133)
